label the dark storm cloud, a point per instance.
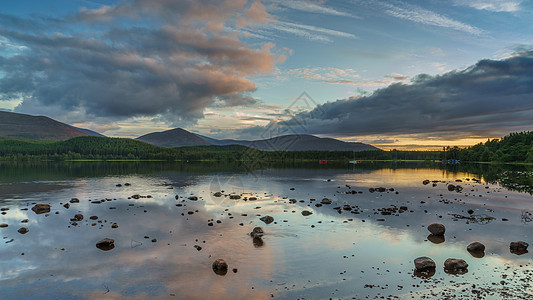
(490, 97)
(178, 59)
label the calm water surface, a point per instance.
(332, 253)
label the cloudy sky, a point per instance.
(396, 74)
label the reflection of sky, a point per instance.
(336, 258)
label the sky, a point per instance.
(394, 74)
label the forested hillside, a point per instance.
(516, 147)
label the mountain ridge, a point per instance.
(295, 142)
(23, 126)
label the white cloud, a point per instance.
(309, 32)
(491, 5)
(312, 7)
(421, 15)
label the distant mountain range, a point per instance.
(15, 125)
(296, 142)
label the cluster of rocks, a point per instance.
(425, 266)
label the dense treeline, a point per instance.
(516, 147)
(98, 148)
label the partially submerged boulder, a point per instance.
(424, 263)
(476, 249)
(23, 230)
(257, 232)
(220, 267)
(437, 229)
(518, 248)
(106, 244)
(41, 208)
(455, 266)
(267, 219)
(325, 201)
(306, 213)
(77, 218)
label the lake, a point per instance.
(165, 240)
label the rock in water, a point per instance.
(220, 267)
(41, 208)
(519, 247)
(437, 229)
(455, 266)
(306, 213)
(257, 232)
(77, 218)
(424, 263)
(451, 187)
(267, 219)
(23, 230)
(106, 244)
(325, 201)
(475, 247)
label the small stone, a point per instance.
(197, 247)
(23, 230)
(257, 232)
(217, 194)
(77, 217)
(93, 217)
(306, 213)
(455, 265)
(115, 225)
(437, 229)
(519, 247)
(325, 201)
(41, 208)
(154, 240)
(220, 267)
(106, 244)
(475, 247)
(424, 263)
(234, 197)
(74, 200)
(3, 225)
(66, 205)
(193, 198)
(267, 219)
